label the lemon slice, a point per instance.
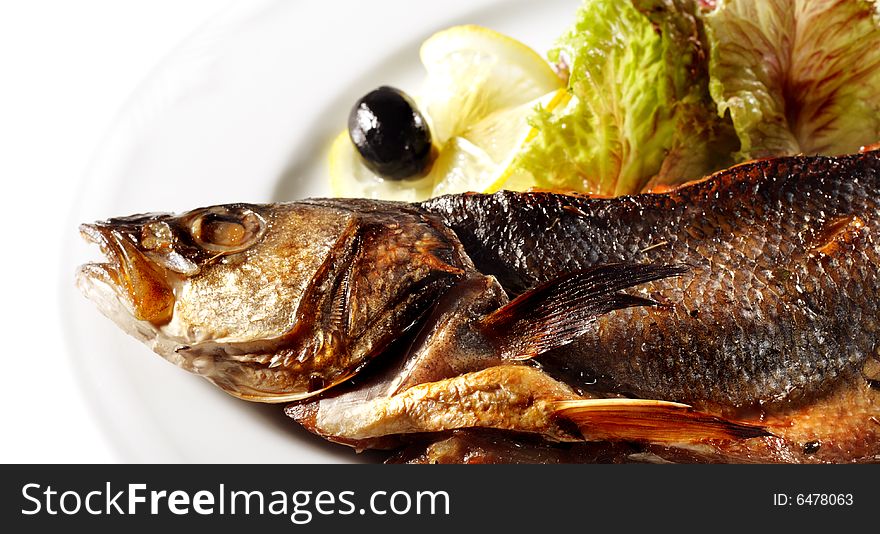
(462, 166)
(481, 88)
(349, 177)
(499, 136)
(474, 72)
(490, 133)
(459, 165)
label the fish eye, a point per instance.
(226, 229)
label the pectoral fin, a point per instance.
(557, 312)
(513, 397)
(650, 421)
(509, 397)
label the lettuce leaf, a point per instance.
(640, 113)
(797, 76)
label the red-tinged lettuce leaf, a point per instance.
(797, 76)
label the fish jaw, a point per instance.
(108, 285)
(98, 282)
(144, 286)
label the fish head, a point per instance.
(276, 302)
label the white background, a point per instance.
(66, 69)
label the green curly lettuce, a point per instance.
(640, 113)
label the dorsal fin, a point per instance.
(559, 311)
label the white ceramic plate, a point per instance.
(243, 111)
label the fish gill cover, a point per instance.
(666, 91)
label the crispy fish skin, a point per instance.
(779, 302)
(729, 320)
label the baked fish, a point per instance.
(729, 320)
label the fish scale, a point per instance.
(773, 319)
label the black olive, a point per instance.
(390, 134)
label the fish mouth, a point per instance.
(107, 272)
(136, 281)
